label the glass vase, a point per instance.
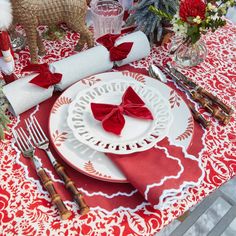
(189, 54)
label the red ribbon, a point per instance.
(119, 52)
(112, 117)
(45, 78)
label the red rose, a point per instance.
(192, 8)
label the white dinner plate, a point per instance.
(96, 164)
(137, 134)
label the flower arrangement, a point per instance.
(196, 17)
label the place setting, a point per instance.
(98, 148)
(118, 130)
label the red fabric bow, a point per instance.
(119, 52)
(112, 117)
(45, 78)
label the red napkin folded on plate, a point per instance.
(162, 170)
(112, 117)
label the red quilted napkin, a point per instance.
(161, 172)
(112, 117)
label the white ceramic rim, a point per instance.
(126, 75)
(110, 143)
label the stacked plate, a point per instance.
(82, 142)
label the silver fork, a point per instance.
(27, 150)
(42, 142)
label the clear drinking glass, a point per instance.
(107, 17)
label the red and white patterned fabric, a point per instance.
(118, 209)
(162, 173)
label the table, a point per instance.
(25, 208)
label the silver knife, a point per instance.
(156, 73)
(215, 100)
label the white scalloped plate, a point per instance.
(137, 134)
(97, 164)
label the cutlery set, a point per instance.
(208, 101)
(41, 141)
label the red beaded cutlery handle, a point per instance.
(84, 208)
(56, 199)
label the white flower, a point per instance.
(197, 20)
(180, 29)
(175, 17)
(215, 17)
(211, 7)
(228, 4)
(223, 9)
(208, 19)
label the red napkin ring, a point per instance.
(119, 52)
(112, 117)
(45, 78)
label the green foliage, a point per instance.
(4, 121)
(194, 34)
(54, 33)
(148, 22)
(215, 24)
(160, 13)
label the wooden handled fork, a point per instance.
(42, 142)
(27, 149)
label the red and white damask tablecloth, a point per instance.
(117, 208)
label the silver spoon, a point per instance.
(156, 73)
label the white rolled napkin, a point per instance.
(92, 61)
(140, 49)
(23, 95)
